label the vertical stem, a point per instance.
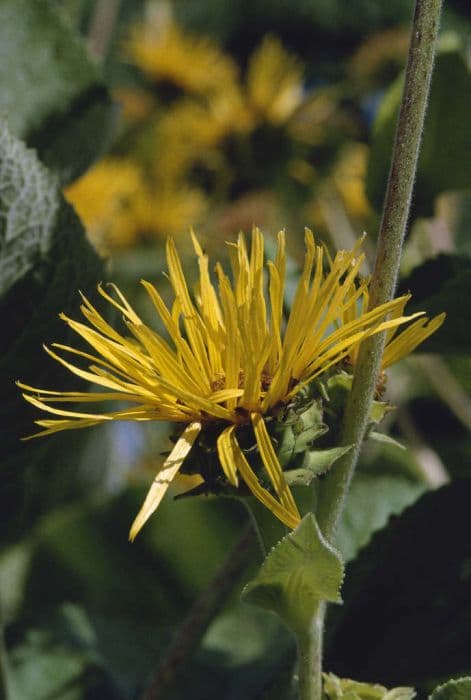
(310, 658)
(334, 489)
(204, 609)
(393, 226)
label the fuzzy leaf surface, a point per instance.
(45, 259)
(52, 93)
(299, 572)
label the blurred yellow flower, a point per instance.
(379, 59)
(165, 53)
(195, 132)
(119, 208)
(192, 132)
(274, 82)
(349, 179)
(167, 209)
(104, 199)
(229, 361)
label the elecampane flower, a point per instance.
(230, 360)
(165, 53)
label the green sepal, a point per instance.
(385, 439)
(345, 689)
(459, 689)
(315, 462)
(378, 410)
(296, 429)
(299, 572)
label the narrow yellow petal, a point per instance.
(272, 464)
(225, 449)
(191, 318)
(231, 454)
(165, 477)
(410, 338)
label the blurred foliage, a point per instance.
(52, 94)
(409, 592)
(225, 115)
(445, 139)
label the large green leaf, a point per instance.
(459, 689)
(407, 611)
(44, 260)
(372, 499)
(52, 93)
(442, 284)
(444, 157)
(299, 572)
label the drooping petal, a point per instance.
(225, 455)
(165, 476)
(272, 465)
(231, 454)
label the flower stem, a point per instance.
(391, 236)
(310, 658)
(204, 609)
(333, 491)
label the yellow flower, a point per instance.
(229, 361)
(163, 209)
(192, 132)
(167, 54)
(104, 199)
(118, 207)
(274, 82)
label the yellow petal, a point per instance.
(165, 476)
(225, 449)
(230, 454)
(272, 464)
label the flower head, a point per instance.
(229, 360)
(120, 206)
(165, 53)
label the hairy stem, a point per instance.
(310, 658)
(391, 236)
(334, 489)
(205, 607)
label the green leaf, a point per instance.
(315, 462)
(459, 689)
(299, 572)
(439, 285)
(371, 501)
(407, 604)
(29, 204)
(45, 259)
(294, 431)
(52, 93)
(442, 161)
(345, 689)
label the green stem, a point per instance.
(310, 658)
(334, 489)
(204, 609)
(391, 235)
